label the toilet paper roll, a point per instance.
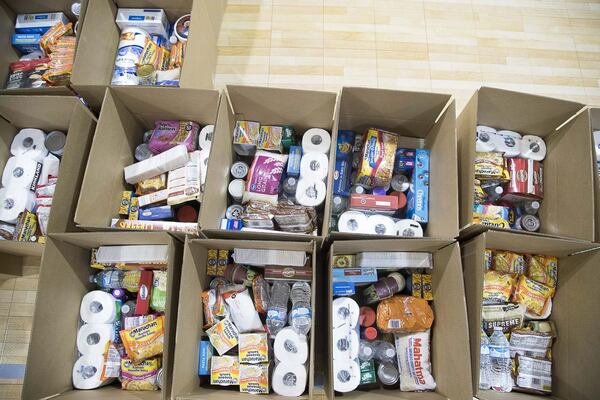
(87, 371)
(21, 171)
(92, 338)
(353, 222)
(310, 192)
(345, 313)
(345, 344)
(98, 307)
(533, 147)
(316, 140)
(409, 228)
(314, 166)
(290, 347)
(381, 225)
(346, 376)
(14, 201)
(486, 139)
(29, 142)
(509, 143)
(289, 379)
(205, 137)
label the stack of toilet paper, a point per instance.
(291, 353)
(314, 166)
(346, 367)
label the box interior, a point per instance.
(186, 382)
(595, 122)
(63, 283)
(574, 364)
(449, 335)
(126, 114)
(424, 120)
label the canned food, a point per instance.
(239, 170)
(234, 211)
(55, 142)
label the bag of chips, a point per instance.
(497, 287)
(144, 341)
(509, 263)
(533, 295)
(543, 269)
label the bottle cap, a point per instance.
(370, 333)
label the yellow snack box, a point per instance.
(125, 199)
(144, 341)
(427, 287)
(253, 348)
(254, 379)
(224, 371)
(134, 208)
(139, 376)
(223, 336)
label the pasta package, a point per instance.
(139, 376)
(404, 314)
(497, 287)
(532, 295)
(377, 164)
(543, 269)
(144, 341)
(509, 263)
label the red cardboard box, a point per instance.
(373, 202)
(526, 178)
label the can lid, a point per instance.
(55, 141)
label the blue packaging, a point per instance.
(38, 23)
(417, 199)
(26, 42)
(355, 275)
(341, 177)
(405, 160)
(232, 224)
(345, 143)
(204, 356)
(344, 289)
(160, 213)
(293, 165)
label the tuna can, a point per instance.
(239, 170)
(358, 189)
(237, 187)
(55, 142)
(142, 152)
(234, 211)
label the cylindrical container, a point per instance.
(239, 170)
(119, 294)
(530, 223)
(369, 333)
(187, 213)
(142, 152)
(387, 374)
(401, 199)
(147, 135)
(384, 288)
(400, 183)
(55, 142)
(234, 211)
(531, 207)
(239, 274)
(358, 189)
(289, 185)
(236, 189)
(130, 47)
(128, 309)
(367, 316)
(379, 191)
(366, 351)
(181, 28)
(339, 204)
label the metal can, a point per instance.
(400, 183)
(148, 135)
(358, 189)
(339, 204)
(55, 142)
(289, 185)
(387, 374)
(531, 207)
(142, 152)
(159, 378)
(234, 211)
(239, 170)
(530, 223)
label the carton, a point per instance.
(568, 173)
(8, 14)
(575, 365)
(63, 283)
(51, 113)
(424, 120)
(186, 383)
(100, 39)
(595, 123)
(127, 112)
(449, 335)
(302, 109)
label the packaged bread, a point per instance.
(403, 314)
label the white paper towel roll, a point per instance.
(314, 166)
(14, 201)
(316, 140)
(345, 344)
(533, 147)
(98, 307)
(92, 338)
(346, 376)
(486, 139)
(310, 192)
(29, 142)
(289, 379)
(509, 143)
(87, 371)
(345, 313)
(290, 347)
(409, 228)
(353, 222)
(205, 137)
(381, 225)
(21, 171)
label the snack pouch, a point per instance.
(263, 178)
(168, 134)
(144, 341)
(506, 316)
(158, 295)
(139, 376)
(414, 362)
(403, 314)
(497, 287)
(490, 215)
(379, 152)
(533, 295)
(508, 262)
(542, 269)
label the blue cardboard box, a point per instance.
(294, 158)
(341, 177)
(204, 356)
(26, 42)
(355, 275)
(417, 207)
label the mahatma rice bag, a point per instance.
(414, 361)
(379, 153)
(168, 134)
(263, 178)
(533, 295)
(542, 269)
(508, 262)
(497, 287)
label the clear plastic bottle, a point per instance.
(277, 312)
(366, 351)
(500, 370)
(117, 279)
(301, 309)
(484, 362)
(384, 351)
(531, 207)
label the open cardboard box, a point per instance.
(48, 113)
(8, 14)
(302, 109)
(449, 346)
(64, 280)
(568, 169)
(127, 112)
(595, 122)
(186, 382)
(423, 120)
(575, 354)
(99, 41)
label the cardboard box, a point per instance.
(449, 345)
(575, 366)
(62, 113)
(63, 283)
(423, 120)
(186, 383)
(127, 112)
(595, 124)
(100, 39)
(301, 109)
(568, 172)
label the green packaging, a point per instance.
(158, 296)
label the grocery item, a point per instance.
(379, 152)
(264, 176)
(542, 269)
(223, 336)
(401, 314)
(533, 375)
(139, 376)
(241, 309)
(505, 316)
(484, 362)
(497, 287)
(277, 312)
(533, 295)
(414, 361)
(144, 341)
(301, 313)
(224, 371)
(253, 348)
(500, 377)
(508, 262)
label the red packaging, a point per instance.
(373, 202)
(142, 305)
(526, 178)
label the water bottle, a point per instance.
(277, 312)
(301, 310)
(484, 362)
(500, 364)
(366, 351)
(117, 279)
(384, 351)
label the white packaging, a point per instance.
(184, 182)
(98, 307)
(290, 347)
(205, 137)
(289, 379)
(130, 48)
(92, 338)
(204, 156)
(485, 139)
(314, 166)
(143, 253)
(533, 148)
(152, 20)
(316, 140)
(38, 23)
(509, 143)
(346, 375)
(381, 225)
(353, 222)
(345, 344)
(394, 259)
(236, 189)
(43, 216)
(50, 167)
(154, 197)
(261, 257)
(14, 201)
(29, 142)
(345, 313)
(169, 160)
(87, 372)
(414, 361)
(21, 172)
(310, 192)
(242, 312)
(409, 228)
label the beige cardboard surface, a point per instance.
(63, 283)
(424, 120)
(595, 122)
(186, 383)
(126, 114)
(564, 128)
(302, 109)
(449, 335)
(574, 366)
